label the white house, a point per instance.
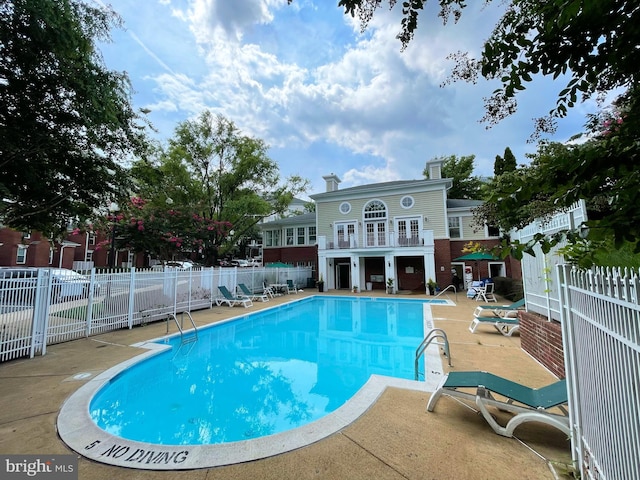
(408, 231)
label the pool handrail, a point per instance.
(455, 290)
(433, 334)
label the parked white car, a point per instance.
(240, 263)
(67, 284)
(180, 265)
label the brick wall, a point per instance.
(443, 256)
(542, 340)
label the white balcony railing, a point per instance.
(376, 240)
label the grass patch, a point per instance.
(81, 311)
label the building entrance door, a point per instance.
(342, 275)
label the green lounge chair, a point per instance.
(507, 324)
(533, 402)
(246, 293)
(504, 318)
(232, 300)
(498, 309)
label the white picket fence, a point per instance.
(600, 316)
(34, 313)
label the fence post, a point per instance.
(92, 283)
(132, 295)
(40, 319)
(189, 290)
(174, 273)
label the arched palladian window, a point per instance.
(375, 218)
(375, 209)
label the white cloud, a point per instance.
(303, 78)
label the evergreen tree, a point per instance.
(509, 161)
(498, 166)
(506, 163)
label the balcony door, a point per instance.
(344, 232)
(408, 231)
(376, 234)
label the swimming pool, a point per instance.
(259, 376)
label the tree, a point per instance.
(161, 231)
(66, 122)
(310, 207)
(506, 163)
(603, 170)
(213, 172)
(498, 165)
(460, 170)
(509, 159)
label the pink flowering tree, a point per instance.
(163, 232)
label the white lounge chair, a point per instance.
(232, 300)
(504, 318)
(507, 324)
(533, 402)
(246, 293)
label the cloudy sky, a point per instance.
(324, 96)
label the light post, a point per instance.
(114, 209)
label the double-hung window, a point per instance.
(454, 227)
(21, 255)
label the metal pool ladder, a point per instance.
(432, 336)
(184, 339)
(449, 287)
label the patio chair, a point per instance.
(291, 287)
(268, 290)
(232, 300)
(486, 293)
(246, 293)
(533, 402)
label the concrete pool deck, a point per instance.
(395, 438)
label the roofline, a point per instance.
(408, 186)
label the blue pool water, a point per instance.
(264, 373)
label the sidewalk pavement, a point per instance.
(395, 439)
